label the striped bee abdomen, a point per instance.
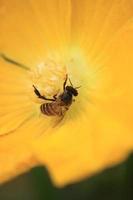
(51, 109)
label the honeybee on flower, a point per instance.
(93, 43)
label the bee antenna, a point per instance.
(70, 82)
(78, 87)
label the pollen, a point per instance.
(48, 77)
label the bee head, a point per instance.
(72, 90)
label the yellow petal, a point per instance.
(95, 22)
(84, 145)
(15, 151)
(31, 29)
(15, 109)
(100, 134)
(97, 131)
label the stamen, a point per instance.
(48, 78)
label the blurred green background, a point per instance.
(112, 184)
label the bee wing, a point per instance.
(60, 118)
(58, 121)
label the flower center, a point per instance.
(48, 77)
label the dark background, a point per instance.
(112, 184)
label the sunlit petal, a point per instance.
(42, 41)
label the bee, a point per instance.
(58, 105)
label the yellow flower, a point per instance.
(92, 42)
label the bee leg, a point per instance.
(64, 85)
(40, 96)
(70, 82)
(37, 92)
(55, 96)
